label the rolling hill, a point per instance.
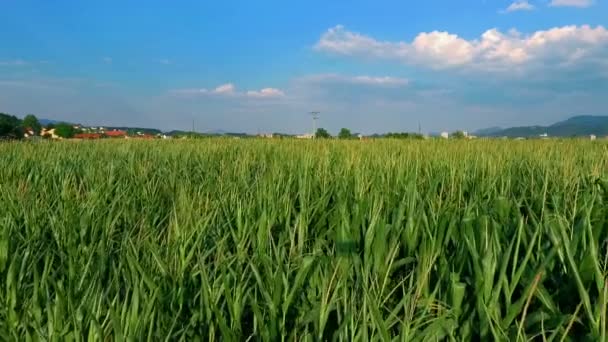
(582, 125)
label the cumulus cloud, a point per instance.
(520, 5)
(266, 93)
(493, 51)
(224, 89)
(189, 91)
(229, 89)
(385, 81)
(571, 3)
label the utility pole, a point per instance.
(419, 128)
(315, 117)
(192, 125)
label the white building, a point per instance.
(305, 136)
(29, 133)
(49, 132)
(445, 135)
(592, 137)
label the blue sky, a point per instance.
(260, 66)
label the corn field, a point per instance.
(276, 240)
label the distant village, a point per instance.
(91, 133)
(31, 128)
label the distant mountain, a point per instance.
(45, 122)
(236, 134)
(487, 131)
(177, 132)
(216, 132)
(582, 125)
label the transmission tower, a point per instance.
(315, 117)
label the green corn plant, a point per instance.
(261, 239)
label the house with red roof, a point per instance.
(116, 134)
(88, 136)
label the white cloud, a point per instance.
(520, 5)
(380, 81)
(341, 41)
(107, 60)
(266, 93)
(571, 3)
(385, 81)
(165, 61)
(229, 89)
(493, 51)
(443, 48)
(189, 91)
(224, 89)
(16, 62)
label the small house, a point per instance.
(88, 136)
(49, 133)
(116, 134)
(29, 132)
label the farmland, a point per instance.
(304, 240)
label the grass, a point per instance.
(304, 240)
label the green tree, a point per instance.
(403, 135)
(31, 121)
(64, 130)
(322, 133)
(458, 135)
(10, 127)
(345, 134)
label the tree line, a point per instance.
(345, 133)
(12, 127)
